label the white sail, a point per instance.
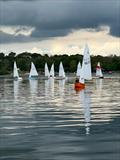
(15, 72)
(52, 73)
(86, 64)
(33, 71)
(61, 70)
(98, 70)
(81, 79)
(47, 74)
(78, 70)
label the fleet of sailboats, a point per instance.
(83, 71)
(15, 72)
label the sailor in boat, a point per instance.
(78, 85)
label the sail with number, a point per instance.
(86, 64)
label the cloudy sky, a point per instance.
(60, 26)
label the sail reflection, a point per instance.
(61, 89)
(47, 82)
(16, 89)
(61, 86)
(33, 87)
(51, 85)
(49, 88)
(99, 87)
(85, 97)
(99, 84)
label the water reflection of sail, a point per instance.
(99, 85)
(61, 86)
(33, 87)
(86, 105)
(61, 89)
(47, 83)
(16, 89)
(51, 85)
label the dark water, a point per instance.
(48, 120)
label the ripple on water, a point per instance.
(50, 121)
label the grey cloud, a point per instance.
(7, 38)
(46, 33)
(58, 18)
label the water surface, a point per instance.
(48, 120)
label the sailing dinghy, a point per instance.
(99, 73)
(33, 72)
(86, 64)
(15, 72)
(85, 72)
(52, 72)
(47, 74)
(61, 72)
(80, 82)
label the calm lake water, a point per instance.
(48, 120)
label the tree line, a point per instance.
(23, 60)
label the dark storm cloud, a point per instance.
(52, 33)
(52, 18)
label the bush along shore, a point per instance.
(23, 60)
